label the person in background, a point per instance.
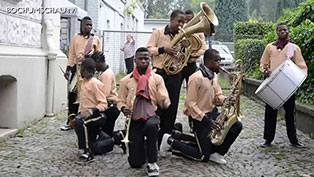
(129, 50)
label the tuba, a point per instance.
(230, 110)
(200, 23)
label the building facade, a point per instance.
(31, 82)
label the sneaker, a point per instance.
(85, 158)
(152, 169)
(65, 128)
(265, 144)
(297, 145)
(164, 146)
(215, 157)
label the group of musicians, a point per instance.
(149, 98)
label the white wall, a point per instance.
(151, 24)
(23, 58)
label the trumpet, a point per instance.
(128, 121)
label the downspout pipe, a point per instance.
(52, 50)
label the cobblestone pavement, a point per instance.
(44, 150)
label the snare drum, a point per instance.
(281, 85)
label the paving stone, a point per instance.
(44, 150)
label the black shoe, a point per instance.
(265, 144)
(118, 136)
(85, 158)
(176, 135)
(178, 126)
(297, 145)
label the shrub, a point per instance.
(250, 52)
(243, 30)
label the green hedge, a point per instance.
(250, 52)
(301, 24)
(251, 30)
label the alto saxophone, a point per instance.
(230, 110)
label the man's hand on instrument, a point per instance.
(185, 43)
(216, 125)
(267, 73)
(170, 50)
(126, 111)
(67, 73)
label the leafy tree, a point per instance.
(195, 5)
(228, 13)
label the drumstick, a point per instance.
(62, 71)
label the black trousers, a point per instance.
(138, 152)
(72, 108)
(271, 119)
(186, 72)
(88, 129)
(112, 113)
(168, 116)
(200, 147)
(129, 64)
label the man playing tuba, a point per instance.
(204, 94)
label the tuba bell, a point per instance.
(200, 23)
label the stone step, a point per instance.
(6, 133)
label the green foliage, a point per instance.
(195, 5)
(251, 30)
(130, 9)
(301, 25)
(250, 52)
(270, 10)
(228, 13)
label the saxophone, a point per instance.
(230, 110)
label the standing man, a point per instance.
(83, 44)
(204, 94)
(191, 67)
(139, 95)
(129, 50)
(159, 46)
(274, 54)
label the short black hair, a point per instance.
(141, 49)
(282, 24)
(175, 13)
(98, 57)
(189, 12)
(210, 54)
(89, 65)
(86, 18)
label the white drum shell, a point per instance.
(281, 85)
